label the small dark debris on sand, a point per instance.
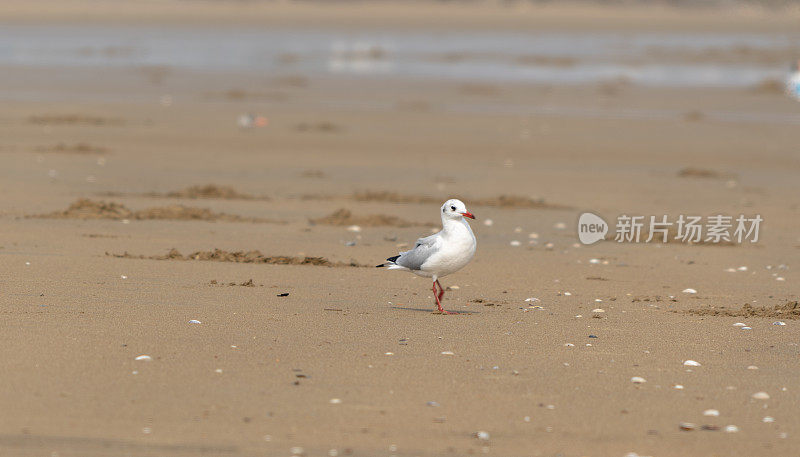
(90, 209)
(285, 294)
(248, 283)
(219, 255)
(343, 217)
(77, 148)
(788, 310)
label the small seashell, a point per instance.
(752, 367)
(533, 235)
(768, 419)
(488, 222)
(447, 353)
(527, 418)
(678, 386)
(760, 396)
(747, 328)
(569, 345)
(123, 276)
(638, 380)
(532, 299)
(335, 401)
(780, 278)
(689, 291)
(454, 287)
(740, 324)
(594, 261)
(515, 243)
(483, 436)
(568, 294)
(560, 225)
(218, 370)
(598, 310)
(354, 228)
(687, 426)
(691, 363)
(731, 429)
(711, 412)
(779, 323)
(195, 321)
(742, 268)
(143, 357)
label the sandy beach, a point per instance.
(134, 197)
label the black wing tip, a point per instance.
(393, 258)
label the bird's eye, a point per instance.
(453, 208)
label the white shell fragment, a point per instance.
(691, 363)
(740, 324)
(760, 396)
(481, 435)
(447, 353)
(689, 291)
(678, 386)
(779, 323)
(195, 321)
(598, 310)
(711, 412)
(638, 380)
(143, 357)
(488, 222)
(335, 401)
(515, 243)
(354, 228)
(731, 429)
(768, 419)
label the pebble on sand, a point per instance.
(687, 426)
(689, 291)
(691, 363)
(638, 380)
(144, 357)
(760, 396)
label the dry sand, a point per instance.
(353, 359)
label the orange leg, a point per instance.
(437, 296)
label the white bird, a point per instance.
(442, 253)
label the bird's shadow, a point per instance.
(428, 310)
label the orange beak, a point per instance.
(468, 214)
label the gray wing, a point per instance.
(422, 251)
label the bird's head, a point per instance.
(454, 209)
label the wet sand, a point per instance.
(353, 359)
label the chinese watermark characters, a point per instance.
(690, 229)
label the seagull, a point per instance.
(442, 253)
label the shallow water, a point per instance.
(536, 57)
